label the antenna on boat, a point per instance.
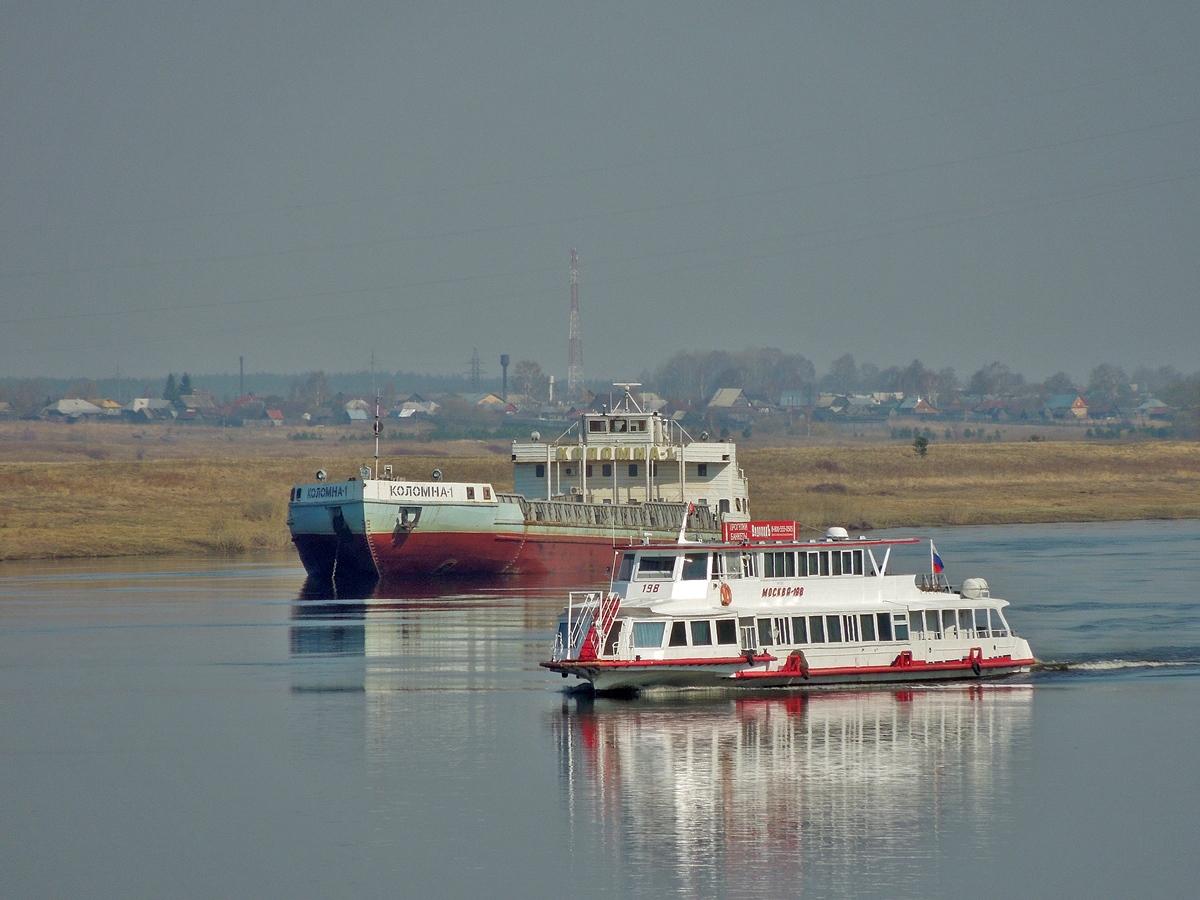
(377, 436)
(375, 391)
(627, 401)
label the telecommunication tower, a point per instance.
(475, 372)
(574, 345)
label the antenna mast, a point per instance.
(574, 345)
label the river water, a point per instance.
(191, 727)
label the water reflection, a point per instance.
(418, 636)
(762, 794)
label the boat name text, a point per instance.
(783, 592)
(327, 490)
(425, 491)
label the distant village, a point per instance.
(728, 411)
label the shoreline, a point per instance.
(215, 496)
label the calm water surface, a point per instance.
(212, 728)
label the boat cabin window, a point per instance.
(833, 628)
(800, 629)
(885, 626)
(702, 634)
(726, 631)
(655, 567)
(695, 566)
(749, 565)
(867, 622)
(637, 425)
(967, 624)
(702, 470)
(606, 470)
(618, 426)
(728, 565)
(633, 470)
(779, 564)
(648, 634)
(625, 573)
(775, 630)
(816, 627)
(678, 635)
(597, 426)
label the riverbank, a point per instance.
(79, 499)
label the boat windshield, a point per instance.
(695, 566)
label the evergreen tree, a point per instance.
(185, 385)
(171, 391)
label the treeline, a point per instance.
(767, 373)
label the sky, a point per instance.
(307, 187)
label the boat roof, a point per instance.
(810, 544)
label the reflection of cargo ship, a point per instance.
(616, 477)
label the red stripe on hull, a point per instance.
(433, 554)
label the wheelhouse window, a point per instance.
(695, 566)
(648, 634)
(637, 425)
(625, 572)
(655, 567)
(597, 426)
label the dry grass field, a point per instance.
(103, 490)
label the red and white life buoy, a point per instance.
(726, 594)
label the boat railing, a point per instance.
(935, 584)
(657, 515)
(585, 609)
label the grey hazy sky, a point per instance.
(184, 183)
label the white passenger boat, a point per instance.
(763, 609)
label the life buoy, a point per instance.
(726, 594)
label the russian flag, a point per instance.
(937, 560)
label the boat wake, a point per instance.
(1115, 665)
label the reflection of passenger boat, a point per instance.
(773, 611)
(833, 793)
(614, 478)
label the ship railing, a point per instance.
(656, 515)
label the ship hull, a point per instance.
(340, 532)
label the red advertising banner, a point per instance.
(758, 531)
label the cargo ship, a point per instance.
(615, 478)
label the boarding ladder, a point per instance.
(586, 609)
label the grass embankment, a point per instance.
(118, 507)
(975, 484)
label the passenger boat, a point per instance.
(616, 477)
(762, 609)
